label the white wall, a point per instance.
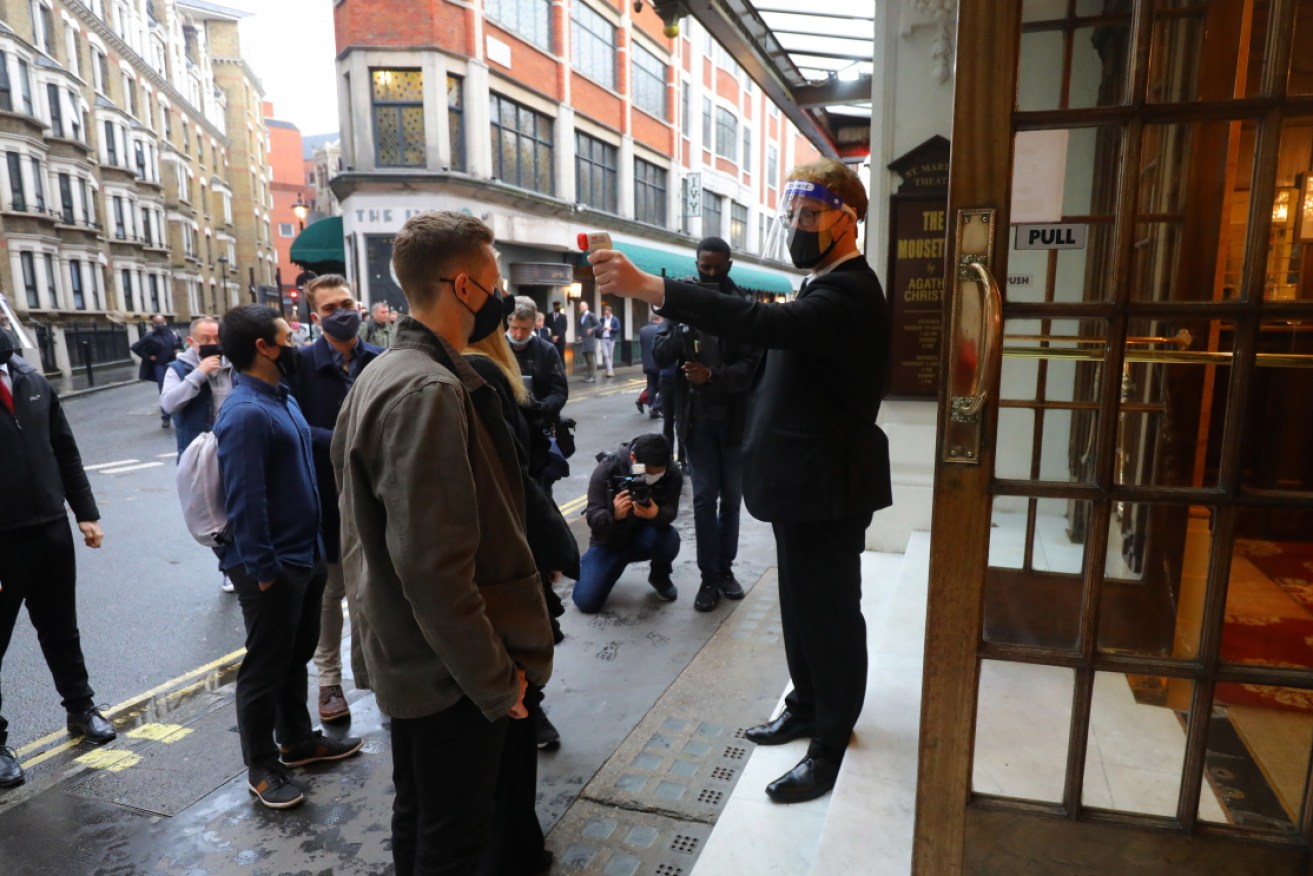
(909, 106)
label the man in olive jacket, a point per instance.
(442, 587)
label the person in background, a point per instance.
(588, 341)
(156, 349)
(327, 370)
(608, 332)
(197, 384)
(275, 558)
(540, 327)
(558, 324)
(646, 344)
(377, 329)
(41, 471)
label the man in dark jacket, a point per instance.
(541, 365)
(328, 368)
(647, 345)
(558, 324)
(716, 373)
(156, 349)
(276, 556)
(41, 470)
(819, 464)
(625, 529)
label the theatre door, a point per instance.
(1119, 655)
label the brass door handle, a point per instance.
(987, 345)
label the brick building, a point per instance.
(125, 192)
(289, 185)
(546, 119)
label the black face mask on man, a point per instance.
(805, 248)
(288, 362)
(492, 315)
(342, 324)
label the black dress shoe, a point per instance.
(786, 728)
(813, 777)
(91, 726)
(11, 774)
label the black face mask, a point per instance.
(288, 362)
(805, 248)
(205, 351)
(491, 316)
(716, 280)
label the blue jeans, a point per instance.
(717, 475)
(600, 567)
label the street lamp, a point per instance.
(301, 210)
(223, 267)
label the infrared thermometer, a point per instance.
(591, 241)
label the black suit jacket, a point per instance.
(811, 449)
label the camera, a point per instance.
(637, 486)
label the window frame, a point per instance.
(498, 132)
(378, 107)
(67, 209)
(745, 160)
(651, 189)
(738, 226)
(75, 281)
(727, 134)
(6, 84)
(592, 35)
(636, 93)
(603, 158)
(708, 199)
(456, 122)
(511, 15)
(53, 98)
(38, 185)
(27, 264)
(17, 187)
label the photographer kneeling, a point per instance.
(633, 498)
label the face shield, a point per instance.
(807, 224)
(14, 338)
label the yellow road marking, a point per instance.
(223, 661)
(49, 753)
(166, 733)
(574, 505)
(114, 760)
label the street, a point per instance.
(156, 630)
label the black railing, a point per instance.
(45, 341)
(104, 344)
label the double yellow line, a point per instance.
(174, 688)
(574, 506)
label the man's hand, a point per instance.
(646, 512)
(211, 364)
(92, 534)
(622, 505)
(616, 275)
(697, 373)
(518, 710)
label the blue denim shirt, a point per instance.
(268, 480)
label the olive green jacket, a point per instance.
(443, 591)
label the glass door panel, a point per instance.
(1022, 729)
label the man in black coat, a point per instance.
(715, 374)
(557, 324)
(541, 366)
(328, 368)
(156, 349)
(819, 465)
(40, 471)
(647, 336)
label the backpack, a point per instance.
(200, 490)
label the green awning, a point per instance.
(320, 244)
(653, 261)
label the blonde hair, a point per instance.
(498, 349)
(838, 178)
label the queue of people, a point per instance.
(446, 549)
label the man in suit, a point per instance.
(820, 465)
(588, 324)
(40, 472)
(557, 325)
(156, 349)
(328, 368)
(646, 343)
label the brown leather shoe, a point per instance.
(332, 703)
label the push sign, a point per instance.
(1051, 235)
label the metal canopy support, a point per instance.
(834, 92)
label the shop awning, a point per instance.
(679, 265)
(320, 244)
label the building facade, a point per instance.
(546, 119)
(289, 186)
(324, 163)
(122, 196)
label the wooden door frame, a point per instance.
(957, 567)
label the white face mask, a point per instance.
(653, 478)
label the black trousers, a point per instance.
(282, 632)
(824, 631)
(37, 567)
(465, 794)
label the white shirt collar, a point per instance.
(821, 272)
(4, 369)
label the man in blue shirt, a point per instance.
(275, 556)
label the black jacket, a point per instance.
(541, 363)
(558, 324)
(550, 540)
(40, 467)
(614, 534)
(320, 387)
(732, 363)
(810, 444)
(646, 343)
(162, 343)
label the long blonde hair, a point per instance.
(498, 349)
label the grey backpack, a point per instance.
(200, 490)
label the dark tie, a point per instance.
(6, 398)
(803, 287)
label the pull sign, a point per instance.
(1051, 235)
